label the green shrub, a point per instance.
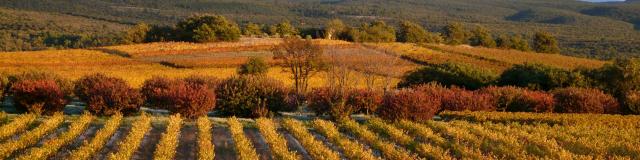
(40, 96)
(541, 77)
(414, 33)
(4, 83)
(632, 101)
(377, 31)
(618, 78)
(108, 95)
(251, 96)
(584, 100)
(449, 74)
(208, 28)
(255, 66)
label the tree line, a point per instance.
(213, 28)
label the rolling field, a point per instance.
(458, 135)
(495, 59)
(136, 63)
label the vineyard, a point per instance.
(456, 135)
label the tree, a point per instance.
(334, 28)
(204, 33)
(254, 66)
(223, 29)
(541, 77)
(504, 42)
(137, 33)
(455, 34)
(252, 29)
(519, 43)
(619, 79)
(544, 42)
(285, 29)
(377, 31)
(414, 33)
(449, 74)
(482, 37)
(300, 57)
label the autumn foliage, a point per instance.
(584, 100)
(108, 95)
(190, 97)
(409, 104)
(38, 96)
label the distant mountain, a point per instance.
(601, 30)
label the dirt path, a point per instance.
(112, 144)
(224, 146)
(86, 136)
(187, 147)
(294, 145)
(150, 141)
(261, 146)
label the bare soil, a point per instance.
(224, 146)
(86, 136)
(112, 143)
(187, 147)
(259, 143)
(150, 142)
(294, 145)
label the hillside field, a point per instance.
(136, 63)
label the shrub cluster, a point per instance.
(365, 101)
(542, 77)
(65, 85)
(409, 104)
(332, 102)
(252, 96)
(38, 96)
(191, 97)
(4, 82)
(108, 95)
(584, 100)
(514, 99)
(632, 101)
(450, 74)
(39, 92)
(465, 100)
(339, 104)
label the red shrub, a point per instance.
(327, 101)
(190, 100)
(410, 105)
(38, 96)
(188, 97)
(65, 85)
(108, 95)
(152, 88)
(464, 100)
(210, 82)
(365, 101)
(516, 99)
(584, 100)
